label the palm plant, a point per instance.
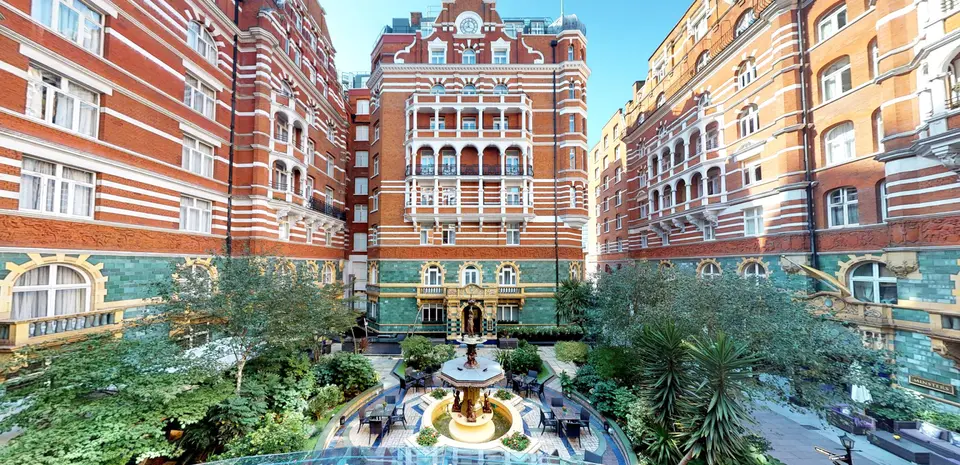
(573, 299)
(717, 434)
(665, 359)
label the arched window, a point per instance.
(433, 276)
(50, 290)
(832, 22)
(705, 100)
(836, 80)
(679, 151)
(570, 53)
(656, 200)
(872, 282)
(667, 197)
(329, 274)
(281, 130)
(754, 270)
(710, 270)
(695, 186)
(840, 143)
(746, 20)
(500, 89)
(508, 276)
(281, 178)
(469, 57)
(661, 99)
(681, 192)
(748, 121)
(665, 161)
(874, 58)
(438, 89)
(470, 275)
(703, 60)
(470, 89)
(713, 181)
(372, 275)
(286, 90)
(843, 205)
(877, 130)
(746, 73)
(202, 42)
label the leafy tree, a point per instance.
(352, 372)
(421, 354)
(278, 434)
(573, 299)
(106, 401)
(254, 303)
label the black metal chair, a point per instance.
(585, 420)
(403, 385)
(430, 382)
(377, 427)
(391, 399)
(533, 374)
(546, 422)
(399, 414)
(572, 430)
(556, 401)
(362, 418)
(540, 393)
(591, 457)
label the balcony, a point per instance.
(18, 333)
(321, 206)
(469, 170)
(465, 101)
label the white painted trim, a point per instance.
(199, 134)
(67, 68)
(204, 76)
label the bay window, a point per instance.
(56, 189)
(58, 100)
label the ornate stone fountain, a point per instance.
(471, 415)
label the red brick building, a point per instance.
(813, 140)
(139, 135)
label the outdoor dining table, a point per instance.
(381, 411)
(571, 414)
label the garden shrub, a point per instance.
(571, 351)
(352, 372)
(524, 358)
(503, 394)
(327, 398)
(892, 403)
(438, 394)
(421, 354)
(614, 363)
(586, 379)
(945, 420)
(516, 441)
(542, 332)
(278, 434)
(428, 437)
(612, 400)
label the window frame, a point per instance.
(55, 25)
(836, 79)
(877, 280)
(832, 18)
(191, 93)
(52, 288)
(840, 200)
(191, 146)
(205, 215)
(201, 41)
(839, 138)
(55, 199)
(754, 216)
(47, 96)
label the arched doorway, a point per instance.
(472, 320)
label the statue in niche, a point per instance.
(469, 330)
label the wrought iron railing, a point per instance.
(321, 206)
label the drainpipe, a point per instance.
(556, 186)
(233, 125)
(807, 162)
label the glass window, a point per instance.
(424, 237)
(500, 89)
(508, 313)
(195, 214)
(836, 79)
(438, 57)
(284, 232)
(73, 19)
(570, 53)
(753, 221)
(360, 213)
(56, 99)
(840, 143)
(469, 57)
(500, 57)
(746, 20)
(749, 121)
(199, 96)
(754, 270)
(872, 282)
(202, 42)
(438, 89)
(470, 89)
(360, 186)
(449, 236)
(359, 242)
(573, 123)
(471, 275)
(434, 313)
(470, 123)
(363, 107)
(363, 133)
(513, 234)
(746, 73)
(362, 159)
(882, 196)
(508, 276)
(832, 22)
(844, 207)
(197, 157)
(710, 270)
(56, 189)
(50, 290)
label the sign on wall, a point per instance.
(933, 385)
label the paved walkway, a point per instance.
(794, 434)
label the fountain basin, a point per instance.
(509, 414)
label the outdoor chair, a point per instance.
(430, 382)
(533, 374)
(585, 420)
(399, 414)
(403, 386)
(572, 430)
(391, 399)
(540, 393)
(556, 401)
(520, 387)
(377, 427)
(362, 418)
(548, 422)
(591, 457)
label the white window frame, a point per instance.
(197, 156)
(86, 24)
(752, 174)
(749, 121)
(42, 99)
(837, 80)
(433, 276)
(361, 186)
(360, 242)
(424, 237)
(363, 133)
(361, 159)
(469, 123)
(513, 234)
(840, 143)
(200, 97)
(360, 213)
(746, 74)
(448, 236)
(438, 56)
(876, 280)
(433, 313)
(203, 209)
(508, 313)
(284, 229)
(468, 58)
(507, 276)
(51, 287)
(831, 23)
(844, 201)
(501, 57)
(710, 271)
(709, 232)
(51, 203)
(753, 217)
(470, 275)
(201, 41)
(363, 107)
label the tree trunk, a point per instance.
(686, 458)
(240, 365)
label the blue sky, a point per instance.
(621, 36)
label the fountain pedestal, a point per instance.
(470, 375)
